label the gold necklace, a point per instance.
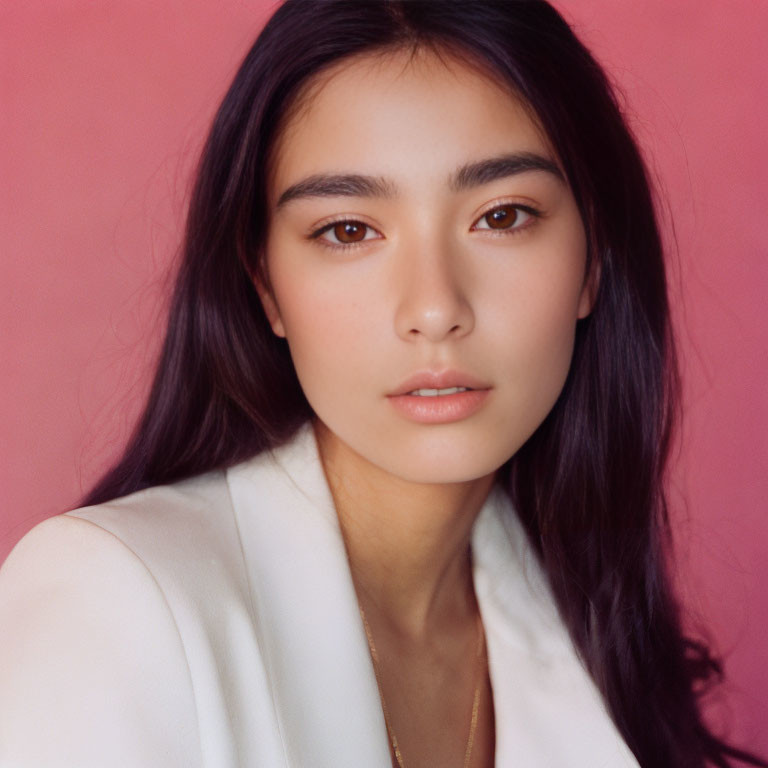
(475, 702)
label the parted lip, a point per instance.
(438, 380)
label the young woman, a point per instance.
(396, 497)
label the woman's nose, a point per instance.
(433, 301)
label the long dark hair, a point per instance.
(588, 484)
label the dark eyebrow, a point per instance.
(485, 171)
(338, 185)
(466, 177)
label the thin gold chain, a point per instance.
(475, 701)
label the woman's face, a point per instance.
(422, 238)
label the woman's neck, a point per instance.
(407, 543)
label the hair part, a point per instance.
(588, 485)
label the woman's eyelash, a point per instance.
(501, 231)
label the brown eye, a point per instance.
(345, 233)
(506, 217)
(349, 231)
(501, 218)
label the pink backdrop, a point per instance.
(104, 107)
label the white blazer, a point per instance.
(213, 622)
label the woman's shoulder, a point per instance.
(197, 505)
(143, 525)
(186, 534)
(168, 548)
(128, 629)
(122, 555)
(161, 605)
(87, 635)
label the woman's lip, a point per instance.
(439, 380)
(439, 409)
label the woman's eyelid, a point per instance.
(318, 230)
(529, 206)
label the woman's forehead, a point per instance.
(404, 115)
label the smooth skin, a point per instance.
(426, 275)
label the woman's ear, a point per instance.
(268, 302)
(589, 291)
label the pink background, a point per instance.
(103, 110)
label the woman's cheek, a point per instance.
(330, 339)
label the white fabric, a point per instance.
(214, 622)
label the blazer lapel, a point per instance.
(547, 709)
(308, 621)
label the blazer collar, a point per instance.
(309, 627)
